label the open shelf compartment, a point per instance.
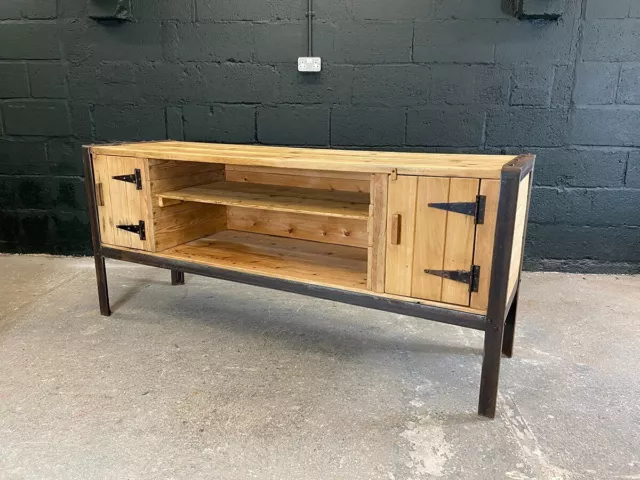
(273, 197)
(287, 258)
(298, 225)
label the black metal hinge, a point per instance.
(471, 277)
(133, 178)
(475, 209)
(139, 229)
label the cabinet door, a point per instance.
(123, 206)
(426, 241)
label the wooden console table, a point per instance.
(433, 236)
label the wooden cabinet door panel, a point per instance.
(401, 214)
(120, 202)
(429, 238)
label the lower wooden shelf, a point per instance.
(287, 258)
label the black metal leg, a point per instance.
(103, 291)
(510, 327)
(92, 210)
(177, 277)
(490, 370)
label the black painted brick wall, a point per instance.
(416, 75)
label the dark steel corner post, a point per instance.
(177, 277)
(101, 270)
(510, 325)
(500, 322)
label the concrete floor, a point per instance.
(214, 380)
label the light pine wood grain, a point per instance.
(101, 175)
(377, 232)
(485, 233)
(318, 179)
(458, 252)
(431, 227)
(317, 228)
(518, 234)
(399, 258)
(278, 198)
(286, 258)
(441, 165)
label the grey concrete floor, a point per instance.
(214, 380)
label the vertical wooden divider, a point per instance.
(377, 232)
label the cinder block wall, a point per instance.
(425, 75)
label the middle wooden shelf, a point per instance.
(330, 203)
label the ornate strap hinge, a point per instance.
(132, 178)
(475, 209)
(139, 229)
(470, 277)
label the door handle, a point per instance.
(396, 225)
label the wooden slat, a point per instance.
(284, 199)
(101, 174)
(279, 257)
(442, 165)
(518, 234)
(399, 258)
(147, 198)
(485, 233)
(121, 210)
(343, 181)
(431, 226)
(164, 169)
(333, 230)
(458, 250)
(192, 179)
(377, 232)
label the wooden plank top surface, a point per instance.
(434, 164)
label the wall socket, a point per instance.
(309, 64)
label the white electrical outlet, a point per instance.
(309, 64)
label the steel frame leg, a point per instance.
(498, 340)
(510, 327)
(103, 290)
(490, 368)
(177, 277)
